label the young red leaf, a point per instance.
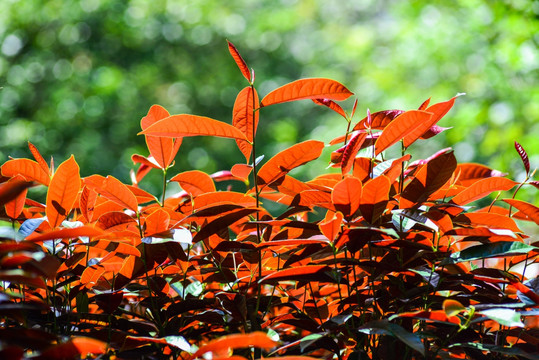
(91, 275)
(222, 345)
(424, 105)
(241, 171)
(300, 273)
(531, 211)
(157, 222)
(331, 225)
(162, 149)
(10, 190)
(492, 220)
(332, 105)
(378, 120)
(374, 198)
(195, 182)
(351, 150)
(66, 233)
(346, 196)
(471, 172)
(63, 190)
(114, 190)
(87, 201)
(428, 179)
(316, 88)
(410, 124)
(438, 110)
(75, 348)
(37, 155)
(482, 188)
(245, 118)
(192, 125)
(288, 159)
(31, 170)
(523, 156)
(14, 207)
(240, 62)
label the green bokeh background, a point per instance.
(78, 76)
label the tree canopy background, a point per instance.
(78, 76)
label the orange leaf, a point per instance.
(379, 120)
(241, 171)
(239, 61)
(222, 345)
(374, 198)
(114, 190)
(331, 226)
(332, 105)
(37, 155)
(195, 182)
(31, 170)
(63, 191)
(316, 88)
(471, 172)
(301, 273)
(531, 211)
(482, 188)
(14, 207)
(156, 222)
(408, 124)
(91, 275)
(66, 233)
(288, 159)
(87, 203)
(162, 149)
(245, 118)
(351, 150)
(440, 109)
(75, 348)
(492, 220)
(346, 195)
(192, 125)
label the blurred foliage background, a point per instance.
(78, 76)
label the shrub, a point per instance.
(376, 259)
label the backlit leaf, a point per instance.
(18, 188)
(331, 225)
(195, 182)
(288, 159)
(240, 62)
(492, 220)
(332, 105)
(523, 156)
(531, 211)
(315, 88)
(350, 151)
(37, 155)
(65, 233)
(221, 223)
(379, 120)
(222, 345)
(62, 193)
(114, 190)
(31, 170)
(75, 348)
(471, 172)
(245, 118)
(452, 307)
(374, 198)
(192, 125)
(300, 273)
(162, 149)
(346, 195)
(482, 188)
(156, 222)
(409, 124)
(438, 110)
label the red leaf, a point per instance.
(315, 88)
(91, 275)
(429, 178)
(113, 219)
(162, 149)
(332, 105)
(156, 222)
(222, 345)
(148, 161)
(18, 186)
(346, 195)
(350, 152)
(531, 211)
(75, 348)
(240, 62)
(245, 118)
(114, 190)
(31, 170)
(192, 125)
(66, 233)
(482, 188)
(331, 226)
(222, 222)
(241, 171)
(523, 156)
(63, 190)
(424, 105)
(288, 159)
(492, 220)
(438, 110)
(374, 198)
(410, 124)
(87, 201)
(37, 155)
(195, 182)
(299, 273)
(9, 190)
(379, 120)
(471, 172)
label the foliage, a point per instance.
(378, 257)
(76, 73)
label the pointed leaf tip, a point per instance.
(313, 88)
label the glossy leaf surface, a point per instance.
(316, 88)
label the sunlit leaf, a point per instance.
(114, 190)
(471, 172)
(346, 195)
(192, 125)
(289, 159)
(315, 88)
(531, 211)
(62, 193)
(195, 182)
(245, 118)
(222, 345)
(37, 155)
(506, 317)
(410, 124)
(66, 233)
(331, 225)
(350, 151)
(318, 273)
(240, 62)
(332, 105)
(452, 307)
(31, 170)
(374, 198)
(482, 188)
(163, 150)
(492, 220)
(379, 120)
(156, 222)
(16, 187)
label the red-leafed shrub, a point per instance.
(376, 258)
